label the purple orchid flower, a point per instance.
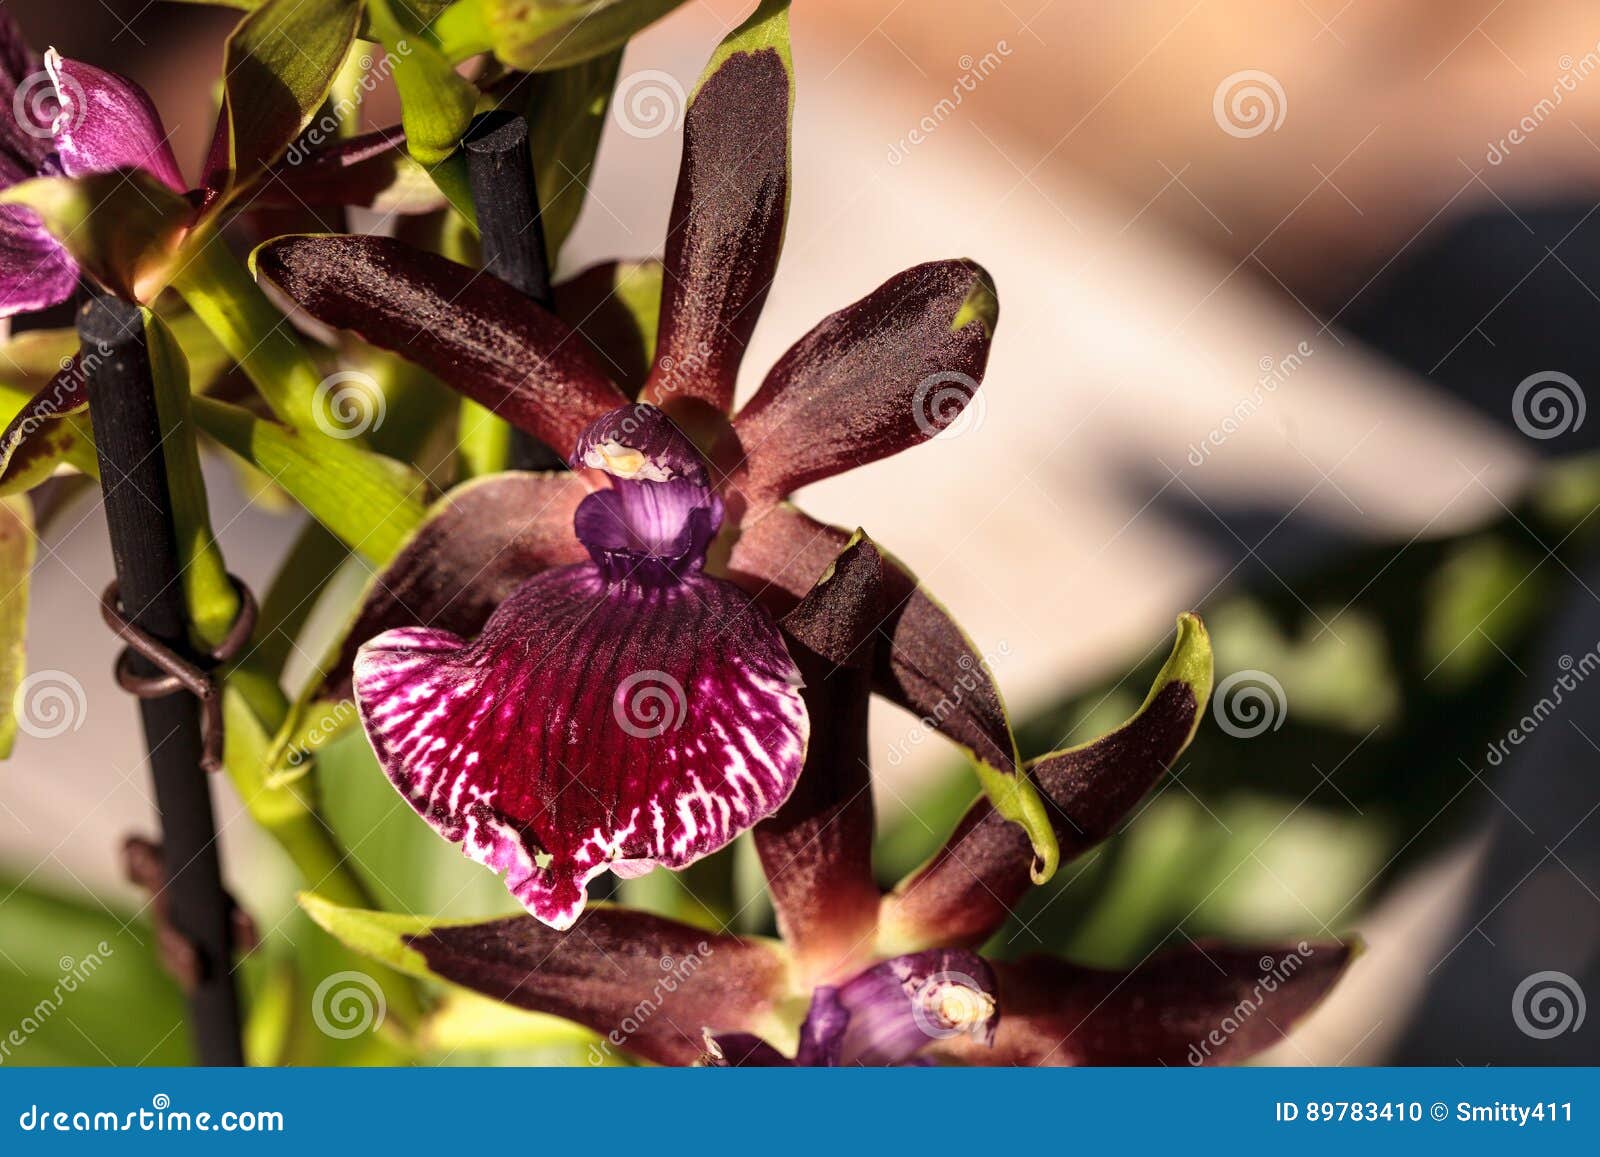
(621, 713)
(68, 119)
(860, 977)
(878, 377)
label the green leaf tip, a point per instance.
(982, 305)
(767, 30)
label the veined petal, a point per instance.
(728, 215)
(476, 546)
(27, 101)
(967, 890)
(648, 985)
(885, 374)
(1198, 1005)
(473, 331)
(817, 850)
(592, 725)
(107, 122)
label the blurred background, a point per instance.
(1301, 302)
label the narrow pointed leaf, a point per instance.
(729, 212)
(279, 65)
(371, 503)
(49, 429)
(967, 890)
(648, 985)
(542, 35)
(885, 374)
(476, 334)
(566, 111)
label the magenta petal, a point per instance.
(27, 101)
(106, 122)
(900, 1006)
(592, 725)
(35, 271)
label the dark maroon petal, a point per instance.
(648, 985)
(885, 374)
(964, 894)
(726, 228)
(781, 552)
(37, 435)
(27, 101)
(476, 546)
(473, 331)
(821, 1038)
(659, 515)
(614, 307)
(817, 850)
(1201, 1004)
(106, 122)
(741, 1050)
(593, 725)
(371, 170)
(901, 1006)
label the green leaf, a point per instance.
(279, 66)
(566, 112)
(542, 35)
(213, 601)
(369, 502)
(436, 104)
(16, 566)
(53, 436)
(122, 227)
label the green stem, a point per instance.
(233, 307)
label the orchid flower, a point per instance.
(882, 375)
(68, 119)
(621, 713)
(844, 985)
